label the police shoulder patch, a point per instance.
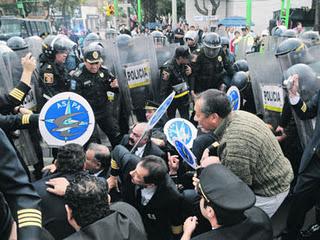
(48, 78)
(78, 72)
(304, 107)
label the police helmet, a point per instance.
(91, 37)
(289, 33)
(311, 38)
(240, 80)
(211, 45)
(241, 65)
(278, 30)
(182, 51)
(123, 40)
(193, 35)
(159, 38)
(290, 45)
(308, 82)
(54, 44)
(17, 43)
(224, 41)
(111, 33)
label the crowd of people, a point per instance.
(138, 187)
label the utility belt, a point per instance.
(181, 89)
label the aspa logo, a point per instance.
(180, 129)
(66, 118)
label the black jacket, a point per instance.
(256, 226)
(23, 200)
(309, 111)
(162, 215)
(123, 224)
(54, 212)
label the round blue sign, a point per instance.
(66, 118)
(234, 97)
(186, 154)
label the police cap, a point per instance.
(224, 189)
(151, 105)
(92, 56)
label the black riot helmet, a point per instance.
(225, 41)
(310, 38)
(182, 51)
(309, 84)
(17, 43)
(241, 65)
(290, 45)
(240, 80)
(159, 39)
(91, 37)
(289, 33)
(292, 51)
(123, 40)
(54, 44)
(211, 45)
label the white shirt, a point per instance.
(139, 152)
(147, 194)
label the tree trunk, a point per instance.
(316, 4)
(63, 12)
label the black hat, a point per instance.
(151, 105)
(224, 189)
(92, 56)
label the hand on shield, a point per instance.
(293, 91)
(29, 63)
(114, 83)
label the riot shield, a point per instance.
(163, 54)
(136, 68)
(266, 80)
(5, 78)
(10, 74)
(34, 45)
(241, 49)
(272, 43)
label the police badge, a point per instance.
(48, 78)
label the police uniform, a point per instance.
(19, 193)
(232, 200)
(96, 89)
(178, 82)
(53, 79)
(306, 191)
(208, 73)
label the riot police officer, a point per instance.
(175, 77)
(53, 76)
(97, 85)
(211, 65)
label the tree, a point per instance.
(203, 9)
(316, 6)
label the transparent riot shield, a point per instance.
(272, 43)
(241, 49)
(266, 80)
(309, 85)
(10, 74)
(136, 67)
(164, 54)
(34, 45)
